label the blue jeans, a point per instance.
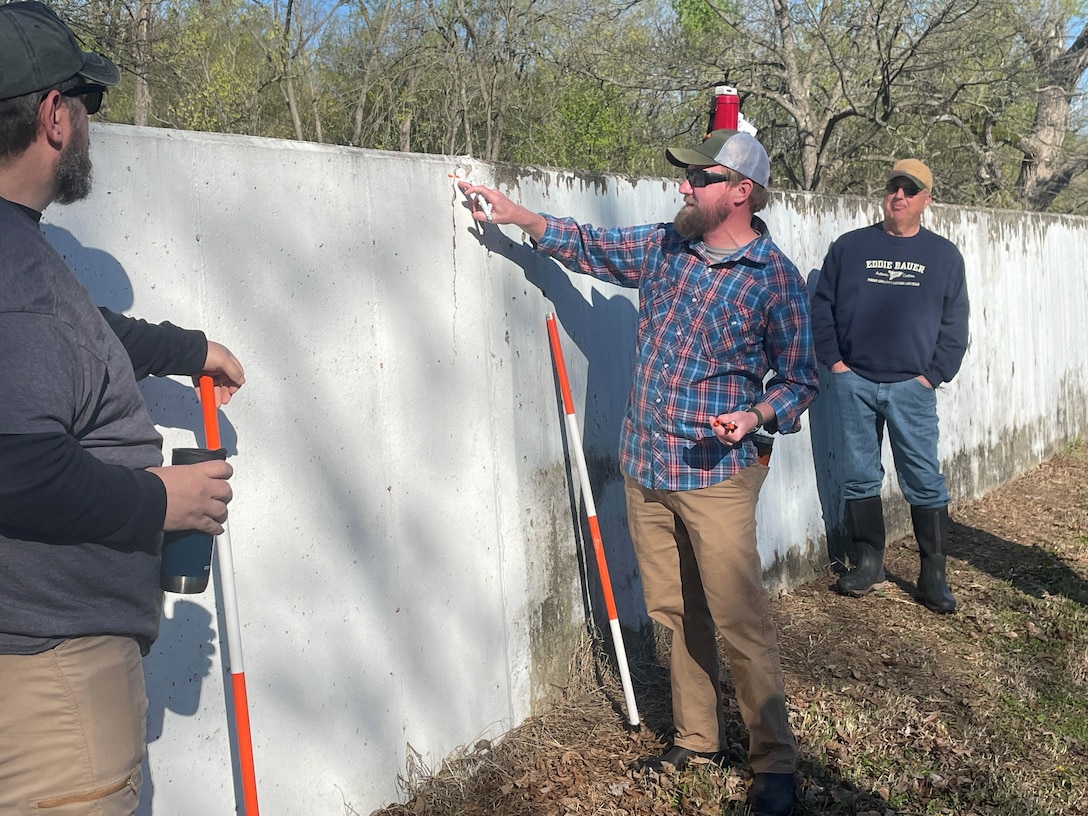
(909, 409)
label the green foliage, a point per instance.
(223, 82)
(698, 17)
(591, 127)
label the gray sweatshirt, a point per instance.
(80, 554)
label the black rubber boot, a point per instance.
(931, 530)
(771, 794)
(865, 523)
(680, 758)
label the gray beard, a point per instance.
(73, 175)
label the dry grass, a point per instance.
(897, 711)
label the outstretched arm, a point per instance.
(501, 210)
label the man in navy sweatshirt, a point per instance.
(889, 319)
(84, 498)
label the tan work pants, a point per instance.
(700, 569)
(72, 725)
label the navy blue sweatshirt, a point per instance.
(80, 517)
(892, 308)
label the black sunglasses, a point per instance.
(701, 178)
(89, 95)
(909, 188)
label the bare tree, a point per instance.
(1057, 40)
(141, 64)
(488, 46)
(295, 26)
(382, 73)
(831, 79)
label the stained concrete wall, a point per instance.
(410, 568)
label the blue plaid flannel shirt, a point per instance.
(708, 334)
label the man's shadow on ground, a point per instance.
(1031, 570)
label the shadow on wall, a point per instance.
(174, 404)
(182, 656)
(170, 403)
(100, 273)
(604, 330)
(826, 433)
(174, 672)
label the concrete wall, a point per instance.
(410, 568)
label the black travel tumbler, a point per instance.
(187, 554)
(764, 444)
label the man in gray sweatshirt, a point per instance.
(84, 498)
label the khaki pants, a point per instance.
(72, 723)
(701, 570)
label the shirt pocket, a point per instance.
(731, 336)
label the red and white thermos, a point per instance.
(724, 109)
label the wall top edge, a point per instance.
(511, 174)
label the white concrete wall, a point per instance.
(409, 568)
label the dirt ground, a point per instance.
(897, 710)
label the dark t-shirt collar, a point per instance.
(30, 211)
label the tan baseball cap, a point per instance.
(915, 171)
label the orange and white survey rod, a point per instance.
(230, 616)
(591, 516)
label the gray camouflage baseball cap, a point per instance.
(734, 149)
(38, 50)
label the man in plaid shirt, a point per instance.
(720, 308)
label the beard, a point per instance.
(697, 220)
(74, 169)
